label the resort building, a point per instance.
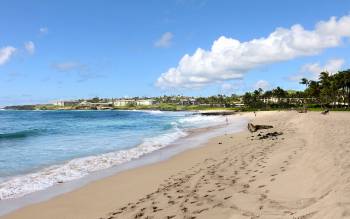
(66, 103)
(132, 102)
(124, 102)
(145, 102)
(187, 101)
(86, 103)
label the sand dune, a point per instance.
(301, 172)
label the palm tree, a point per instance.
(279, 93)
(326, 88)
(304, 81)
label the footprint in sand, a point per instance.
(262, 197)
(246, 186)
(200, 211)
(139, 215)
(220, 204)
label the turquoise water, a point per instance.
(41, 148)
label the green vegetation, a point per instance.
(331, 91)
(175, 107)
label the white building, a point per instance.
(130, 102)
(66, 103)
(145, 102)
(86, 103)
(124, 102)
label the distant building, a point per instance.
(145, 102)
(187, 101)
(130, 102)
(270, 100)
(124, 102)
(284, 100)
(84, 103)
(66, 103)
(238, 104)
(87, 103)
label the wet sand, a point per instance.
(298, 169)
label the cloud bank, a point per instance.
(313, 70)
(332, 66)
(69, 66)
(230, 59)
(265, 85)
(81, 71)
(6, 53)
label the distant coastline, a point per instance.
(153, 108)
(331, 91)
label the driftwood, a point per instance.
(218, 113)
(271, 135)
(254, 128)
(325, 112)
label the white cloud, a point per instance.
(233, 86)
(332, 66)
(78, 70)
(69, 66)
(265, 85)
(44, 30)
(230, 59)
(30, 47)
(313, 70)
(165, 40)
(6, 53)
(226, 87)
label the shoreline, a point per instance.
(195, 137)
(302, 172)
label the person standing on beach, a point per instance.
(226, 119)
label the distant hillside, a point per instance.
(22, 107)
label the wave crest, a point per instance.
(19, 134)
(21, 185)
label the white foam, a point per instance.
(145, 111)
(21, 185)
(153, 111)
(18, 186)
(202, 121)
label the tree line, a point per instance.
(329, 91)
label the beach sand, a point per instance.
(302, 173)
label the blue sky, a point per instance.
(77, 49)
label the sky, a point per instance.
(52, 50)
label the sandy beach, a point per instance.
(298, 169)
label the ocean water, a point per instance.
(39, 149)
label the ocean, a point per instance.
(39, 149)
